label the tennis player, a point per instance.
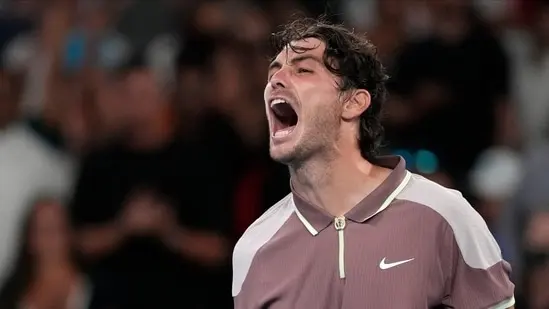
(357, 231)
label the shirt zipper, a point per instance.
(340, 223)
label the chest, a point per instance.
(121, 175)
(360, 267)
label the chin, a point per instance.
(289, 153)
(281, 155)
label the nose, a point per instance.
(278, 80)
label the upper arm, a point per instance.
(479, 277)
(475, 274)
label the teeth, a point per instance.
(278, 101)
(284, 132)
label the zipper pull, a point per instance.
(339, 224)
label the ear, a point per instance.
(359, 100)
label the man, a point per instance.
(32, 159)
(146, 220)
(439, 80)
(524, 228)
(357, 231)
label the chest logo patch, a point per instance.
(385, 265)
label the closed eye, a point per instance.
(302, 70)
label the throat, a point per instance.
(313, 180)
(336, 185)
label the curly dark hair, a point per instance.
(352, 58)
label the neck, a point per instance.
(338, 183)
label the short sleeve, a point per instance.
(475, 275)
(479, 278)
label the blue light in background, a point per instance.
(426, 162)
(75, 50)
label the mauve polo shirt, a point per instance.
(409, 244)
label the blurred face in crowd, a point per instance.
(450, 17)
(229, 78)
(142, 94)
(190, 89)
(111, 104)
(77, 116)
(49, 232)
(127, 101)
(301, 101)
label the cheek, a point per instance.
(266, 94)
(324, 115)
(319, 95)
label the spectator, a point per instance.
(32, 160)
(523, 227)
(389, 24)
(45, 274)
(149, 210)
(235, 121)
(449, 88)
(529, 51)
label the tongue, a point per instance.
(286, 114)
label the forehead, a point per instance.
(307, 46)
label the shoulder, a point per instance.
(468, 229)
(447, 202)
(276, 213)
(261, 231)
(256, 236)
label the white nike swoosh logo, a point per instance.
(384, 265)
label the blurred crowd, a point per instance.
(134, 146)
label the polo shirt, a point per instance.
(411, 243)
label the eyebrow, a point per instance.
(300, 58)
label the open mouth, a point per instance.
(284, 117)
